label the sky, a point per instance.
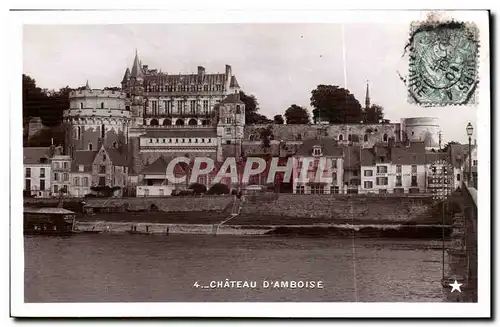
(278, 63)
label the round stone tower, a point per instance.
(424, 129)
(96, 117)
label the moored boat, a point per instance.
(49, 221)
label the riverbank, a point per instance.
(318, 230)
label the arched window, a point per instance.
(365, 138)
(385, 137)
(167, 122)
(90, 146)
(349, 137)
(115, 145)
(103, 131)
(81, 105)
(102, 105)
(179, 122)
(78, 132)
(154, 122)
(238, 109)
(299, 137)
(193, 122)
(341, 137)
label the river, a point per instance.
(148, 268)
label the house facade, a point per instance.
(37, 171)
(318, 168)
(397, 169)
(61, 169)
(109, 168)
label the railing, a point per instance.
(177, 115)
(177, 126)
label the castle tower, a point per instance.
(96, 117)
(133, 85)
(230, 126)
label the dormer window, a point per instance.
(80, 168)
(316, 151)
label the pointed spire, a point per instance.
(367, 97)
(126, 76)
(87, 87)
(136, 67)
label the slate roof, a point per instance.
(176, 133)
(234, 82)
(233, 98)
(159, 166)
(85, 158)
(117, 158)
(32, 155)
(411, 155)
(352, 157)
(328, 146)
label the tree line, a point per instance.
(331, 104)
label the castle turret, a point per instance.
(94, 116)
(367, 96)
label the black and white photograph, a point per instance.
(178, 166)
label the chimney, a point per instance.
(229, 72)
(201, 70)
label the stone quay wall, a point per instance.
(356, 208)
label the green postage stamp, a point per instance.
(443, 61)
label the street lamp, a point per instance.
(470, 130)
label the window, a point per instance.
(228, 142)
(368, 173)
(81, 105)
(90, 146)
(341, 137)
(180, 106)
(27, 183)
(414, 181)
(202, 140)
(229, 120)
(103, 131)
(209, 141)
(65, 165)
(381, 169)
(398, 181)
(413, 169)
(205, 106)
(28, 172)
(76, 181)
(355, 173)
(205, 88)
(317, 189)
(42, 185)
(102, 105)
(154, 107)
(56, 176)
(168, 107)
(368, 184)
(102, 181)
(365, 138)
(193, 106)
(56, 188)
(458, 177)
(317, 151)
(102, 169)
(85, 181)
(238, 109)
(300, 189)
(228, 130)
(150, 140)
(334, 190)
(104, 157)
(385, 137)
(66, 177)
(349, 137)
(78, 132)
(382, 180)
(474, 162)
(434, 169)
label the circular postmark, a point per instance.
(443, 65)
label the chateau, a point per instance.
(158, 116)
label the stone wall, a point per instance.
(357, 209)
(167, 204)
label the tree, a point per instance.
(219, 188)
(266, 135)
(251, 110)
(297, 115)
(335, 104)
(373, 114)
(447, 146)
(278, 119)
(198, 188)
